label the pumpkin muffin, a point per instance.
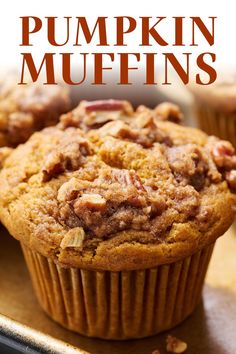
(215, 107)
(117, 212)
(27, 108)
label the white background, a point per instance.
(10, 26)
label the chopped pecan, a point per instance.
(69, 190)
(188, 165)
(168, 111)
(142, 108)
(116, 200)
(205, 217)
(53, 165)
(187, 200)
(142, 131)
(128, 177)
(118, 129)
(204, 214)
(223, 154)
(145, 121)
(93, 115)
(175, 345)
(68, 155)
(133, 178)
(108, 105)
(73, 238)
(90, 201)
(148, 132)
(230, 177)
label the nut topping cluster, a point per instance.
(67, 155)
(92, 115)
(224, 157)
(117, 199)
(29, 108)
(105, 194)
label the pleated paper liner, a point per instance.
(119, 305)
(216, 123)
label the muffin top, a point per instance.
(221, 95)
(27, 108)
(111, 188)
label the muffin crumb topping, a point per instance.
(108, 175)
(122, 195)
(231, 179)
(169, 112)
(68, 155)
(29, 108)
(4, 153)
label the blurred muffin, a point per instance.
(27, 108)
(216, 108)
(117, 212)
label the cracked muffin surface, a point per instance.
(111, 188)
(25, 109)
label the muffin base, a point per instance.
(216, 123)
(119, 305)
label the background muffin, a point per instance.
(117, 213)
(216, 108)
(27, 108)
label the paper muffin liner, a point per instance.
(216, 123)
(119, 305)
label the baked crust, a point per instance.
(27, 108)
(177, 187)
(221, 95)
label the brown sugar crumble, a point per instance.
(69, 154)
(124, 177)
(26, 109)
(120, 197)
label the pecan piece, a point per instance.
(69, 190)
(90, 201)
(132, 177)
(175, 345)
(128, 177)
(118, 129)
(230, 177)
(169, 111)
(108, 105)
(73, 238)
(53, 166)
(204, 214)
(69, 155)
(145, 121)
(188, 164)
(139, 197)
(223, 154)
(94, 114)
